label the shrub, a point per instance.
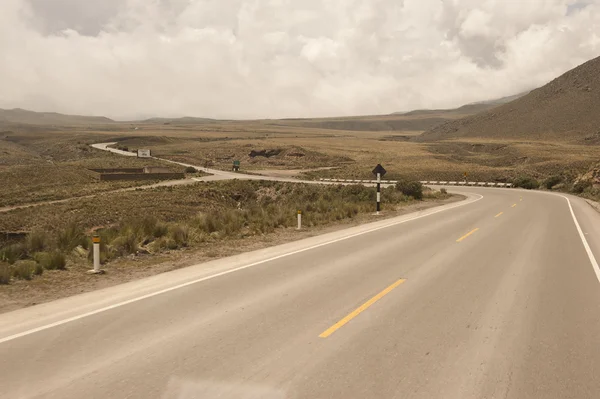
(410, 188)
(580, 186)
(35, 241)
(38, 269)
(552, 181)
(160, 230)
(4, 273)
(54, 260)
(126, 242)
(526, 182)
(71, 237)
(190, 169)
(179, 234)
(23, 269)
(444, 191)
(13, 253)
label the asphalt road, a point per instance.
(492, 297)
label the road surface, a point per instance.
(493, 297)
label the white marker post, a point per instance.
(96, 253)
(299, 219)
(378, 193)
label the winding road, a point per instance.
(496, 296)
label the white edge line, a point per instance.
(590, 254)
(163, 291)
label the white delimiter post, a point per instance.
(299, 220)
(378, 192)
(96, 242)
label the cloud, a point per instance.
(283, 58)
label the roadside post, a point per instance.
(466, 175)
(299, 220)
(379, 171)
(96, 253)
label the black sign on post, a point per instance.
(379, 171)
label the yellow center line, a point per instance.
(513, 205)
(498, 215)
(359, 310)
(466, 235)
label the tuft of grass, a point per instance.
(4, 273)
(190, 169)
(38, 269)
(179, 234)
(126, 243)
(54, 260)
(23, 269)
(71, 237)
(36, 241)
(13, 252)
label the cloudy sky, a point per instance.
(283, 58)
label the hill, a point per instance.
(565, 109)
(21, 116)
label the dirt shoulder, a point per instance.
(58, 284)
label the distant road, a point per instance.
(497, 296)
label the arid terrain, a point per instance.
(46, 157)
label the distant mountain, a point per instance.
(21, 116)
(566, 109)
(186, 120)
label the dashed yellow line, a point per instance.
(498, 215)
(513, 205)
(359, 310)
(466, 235)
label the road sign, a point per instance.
(236, 165)
(379, 169)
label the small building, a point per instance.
(144, 154)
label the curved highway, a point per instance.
(496, 296)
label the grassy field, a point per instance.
(37, 167)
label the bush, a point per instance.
(526, 182)
(54, 260)
(160, 230)
(580, 186)
(36, 241)
(126, 242)
(410, 188)
(4, 273)
(444, 191)
(13, 253)
(23, 269)
(71, 237)
(38, 269)
(179, 234)
(552, 181)
(190, 169)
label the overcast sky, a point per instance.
(283, 58)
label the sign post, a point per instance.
(379, 171)
(299, 219)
